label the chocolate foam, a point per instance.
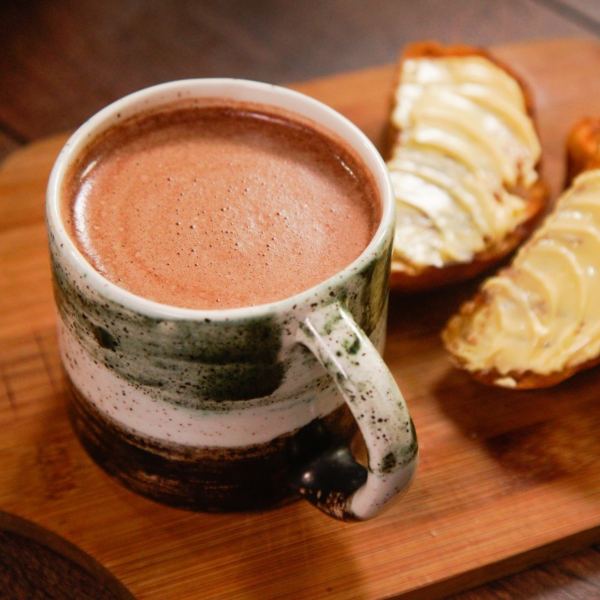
(219, 205)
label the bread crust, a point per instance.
(431, 277)
(583, 153)
(583, 147)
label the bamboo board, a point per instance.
(505, 478)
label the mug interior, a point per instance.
(232, 89)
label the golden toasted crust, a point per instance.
(583, 153)
(536, 196)
(583, 147)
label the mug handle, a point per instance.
(334, 482)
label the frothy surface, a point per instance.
(219, 206)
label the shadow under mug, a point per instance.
(241, 408)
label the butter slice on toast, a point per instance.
(537, 322)
(463, 158)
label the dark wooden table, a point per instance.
(61, 61)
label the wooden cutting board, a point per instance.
(505, 478)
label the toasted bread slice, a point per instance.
(464, 156)
(537, 322)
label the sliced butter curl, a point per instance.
(465, 141)
(542, 314)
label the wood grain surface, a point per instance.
(505, 479)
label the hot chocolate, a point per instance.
(219, 205)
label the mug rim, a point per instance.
(188, 88)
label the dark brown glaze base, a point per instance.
(206, 479)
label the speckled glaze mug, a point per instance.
(242, 408)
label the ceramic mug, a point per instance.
(241, 408)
